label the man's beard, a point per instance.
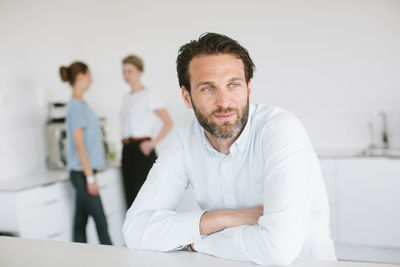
(227, 129)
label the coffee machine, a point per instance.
(56, 136)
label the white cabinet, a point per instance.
(113, 200)
(53, 219)
(328, 169)
(47, 211)
(369, 201)
(111, 191)
(365, 206)
(41, 212)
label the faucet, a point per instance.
(378, 131)
(385, 139)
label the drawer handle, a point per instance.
(49, 184)
(51, 202)
(54, 235)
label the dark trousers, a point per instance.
(135, 167)
(86, 205)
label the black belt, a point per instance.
(135, 140)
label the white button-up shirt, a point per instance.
(272, 163)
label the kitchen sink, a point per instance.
(380, 152)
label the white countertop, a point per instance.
(337, 153)
(393, 153)
(48, 176)
(41, 177)
(41, 253)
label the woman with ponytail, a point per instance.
(85, 154)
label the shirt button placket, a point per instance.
(227, 186)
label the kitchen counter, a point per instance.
(39, 253)
(341, 153)
(41, 177)
(393, 153)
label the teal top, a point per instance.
(79, 115)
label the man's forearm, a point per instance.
(213, 221)
(217, 220)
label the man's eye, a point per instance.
(208, 89)
(234, 85)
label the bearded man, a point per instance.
(252, 168)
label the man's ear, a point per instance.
(249, 87)
(186, 97)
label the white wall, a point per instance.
(330, 62)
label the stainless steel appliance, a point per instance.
(56, 112)
(56, 136)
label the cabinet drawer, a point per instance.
(43, 194)
(64, 236)
(368, 197)
(333, 223)
(46, 220)
(115, 222)
(330, 188)
(328, 166)
(112, 197)
(109, 176)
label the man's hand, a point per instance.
(192, 247)
(217, 220)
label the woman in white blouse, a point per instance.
(141, 109)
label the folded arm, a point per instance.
(278, 236)
(152, 222)
(217, 220)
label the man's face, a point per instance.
(219, 94)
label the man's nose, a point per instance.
(222, 98)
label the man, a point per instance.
(252, 168)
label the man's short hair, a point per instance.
(211, 44)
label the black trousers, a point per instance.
(86, 205)
(135, 167)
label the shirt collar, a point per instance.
(241, 142)
(243, 138)
(204, 139)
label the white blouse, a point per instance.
(138, 118)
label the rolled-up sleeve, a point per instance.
(279, 236)
(152, 222)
